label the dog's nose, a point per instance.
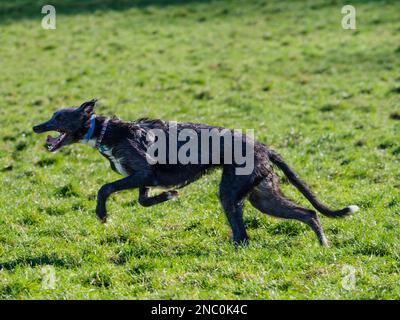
(36, 129)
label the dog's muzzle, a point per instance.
(43, 127)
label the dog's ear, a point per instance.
(87, 106)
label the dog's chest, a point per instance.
(116, 163)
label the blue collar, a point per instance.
(89, 134)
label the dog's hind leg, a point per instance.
(146, 201)
(268, 198)
(232, 192)
(234, 213)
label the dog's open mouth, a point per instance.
(54, 144)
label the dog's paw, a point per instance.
(243, 242)
(102, 218)
(172, 194)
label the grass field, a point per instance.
(326, 98)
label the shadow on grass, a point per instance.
(42, 260)
(22, 9)
(11, 11)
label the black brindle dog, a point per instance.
(125, 145)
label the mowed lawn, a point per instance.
(326, 98)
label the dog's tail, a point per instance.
(305, 190)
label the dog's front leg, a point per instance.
(131, 182)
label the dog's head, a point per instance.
(71, 123)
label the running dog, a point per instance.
(126, 144)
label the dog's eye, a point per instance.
(57, 117)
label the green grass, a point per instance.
(326, 98)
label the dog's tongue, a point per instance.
(51, 141)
